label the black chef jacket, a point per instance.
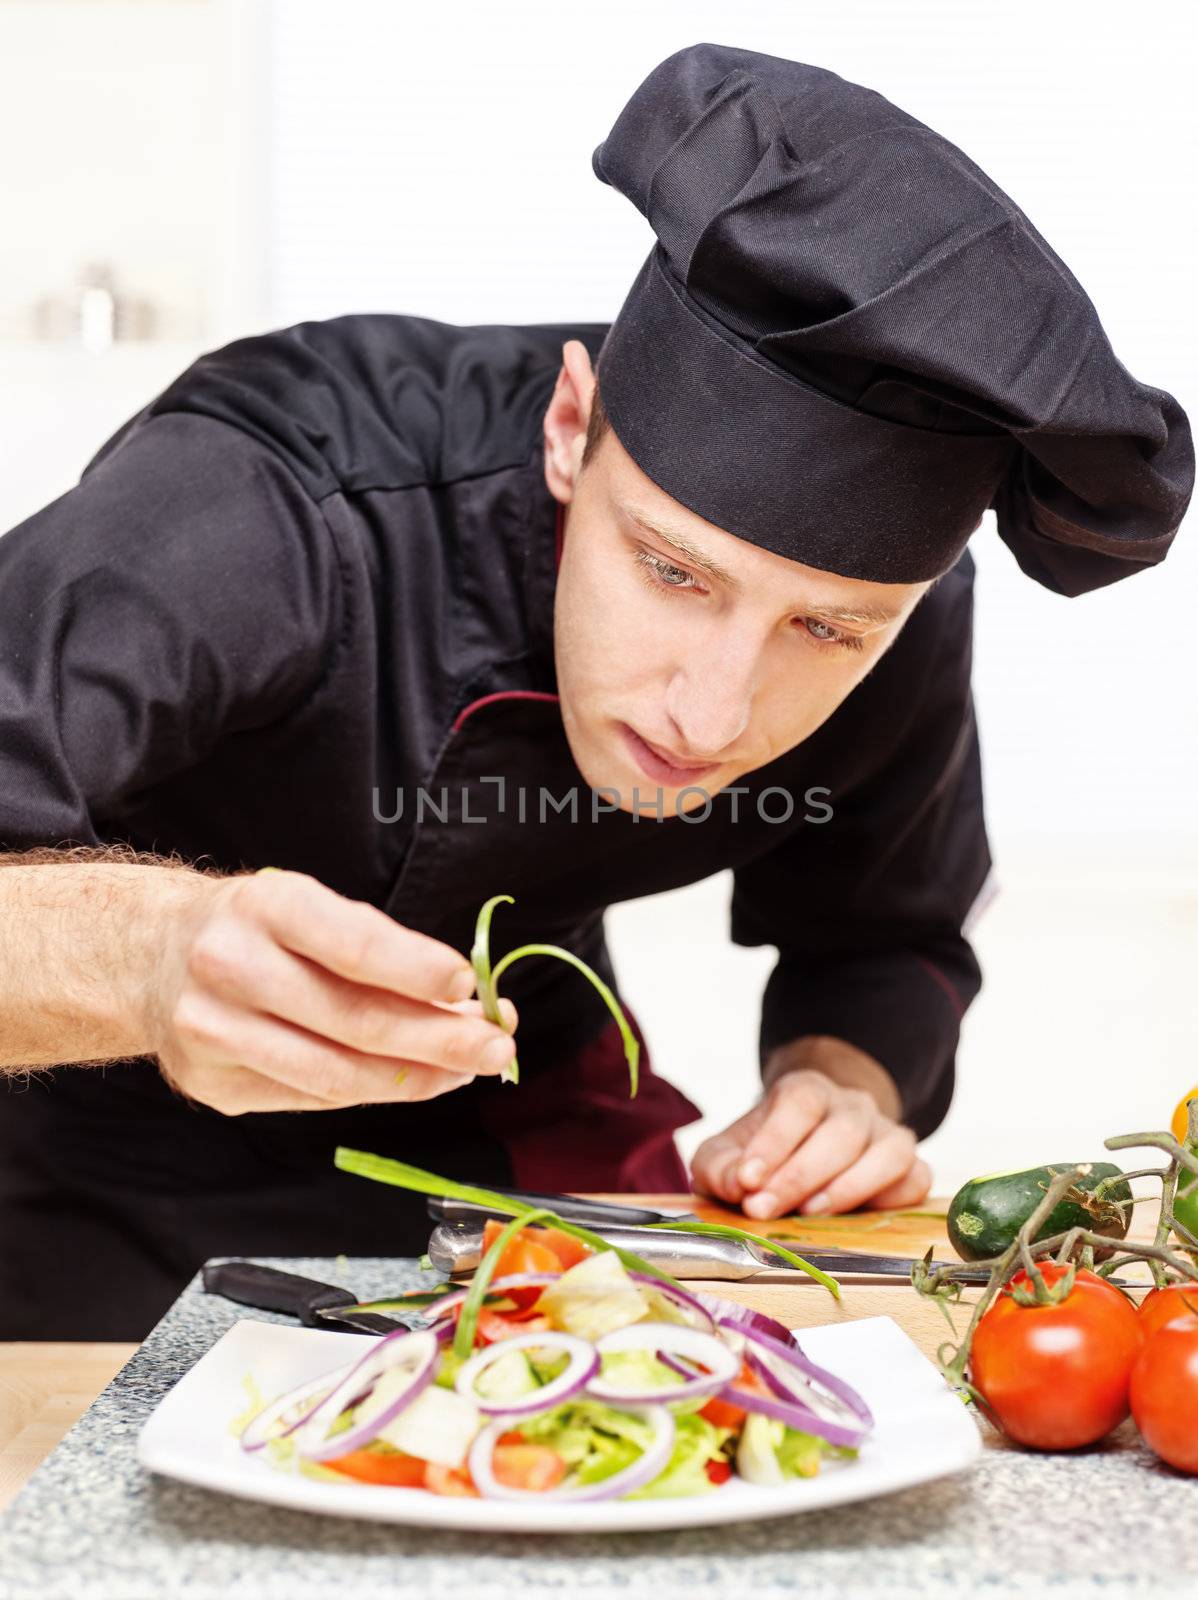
(299, 612)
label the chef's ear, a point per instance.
(566, 420)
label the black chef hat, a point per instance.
(848, 342)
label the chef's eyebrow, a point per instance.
(863, 615)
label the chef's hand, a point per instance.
(274, 993)
(824, 1138)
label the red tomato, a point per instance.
(1056, 1377)
(370, 1466)
(545, 1242)
(518, 1464)
(1164, 1394)
(448, 1480)
(719, 1471)
(722, 1413)
(1163, 1306)
(495, 1325)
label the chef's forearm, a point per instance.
(82, 933)
(844, 1063)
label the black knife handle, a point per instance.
(268, 1289)
(588, 1212)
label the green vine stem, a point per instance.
(487, 981)
(1073, 1248)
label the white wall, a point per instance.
(438, 161)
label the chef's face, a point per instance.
(686, 656)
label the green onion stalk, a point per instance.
(401, 1175)
(487, 981)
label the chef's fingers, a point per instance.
(348, 937)
(248, 968)
(836, 1144)
(212, 1033)
(908, 1191)
(796, 1105)
(714, 1163)
(889, 1167)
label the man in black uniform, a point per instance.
(420, 614)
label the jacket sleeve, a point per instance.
(868, 909)
(185, 590)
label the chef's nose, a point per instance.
(710, 701)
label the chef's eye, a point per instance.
(665, 571)
(825, 633)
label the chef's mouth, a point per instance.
(657, 766)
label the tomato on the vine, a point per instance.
(1056, 1376)
(1172, 1304)
(1164, 1394)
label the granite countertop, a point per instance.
(92, 1525)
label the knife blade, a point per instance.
(590, 1213)
(317, 1305)
(456, 1248)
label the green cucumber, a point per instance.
(986, 1213)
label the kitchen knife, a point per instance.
(455, 1250)
(317, 1305)
(590, 1213)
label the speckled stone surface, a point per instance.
(92, 1525)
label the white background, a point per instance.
(383, 156)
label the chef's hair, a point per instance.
(597, 426)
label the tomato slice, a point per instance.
(545, 1242)
(372, 1466)
(448, 1480)
(722, 1413)
(495, 1325)
(719, 1471)
(518, 1464)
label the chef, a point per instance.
(414, 614)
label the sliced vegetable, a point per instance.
(438, 1426)
(648, 1463)
(595, 1297)
(653, 1337)
(567, 1251)
(382, 1466)
(517, 1464)
(581, 1368)
(283, 1416)
(378, 1387)
(804, 1396)
(463, 1339)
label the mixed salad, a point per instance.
(560, 1373)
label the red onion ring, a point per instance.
(257, 1432)
(584, 1363)
(663, 1337)
(809, 1398)
(647, 1467)
(743, 1319)
(420, 1350)
(696, 1303)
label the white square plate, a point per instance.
(923, 1432)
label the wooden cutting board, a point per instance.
(899, 1233)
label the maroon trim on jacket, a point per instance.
(502, 694)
